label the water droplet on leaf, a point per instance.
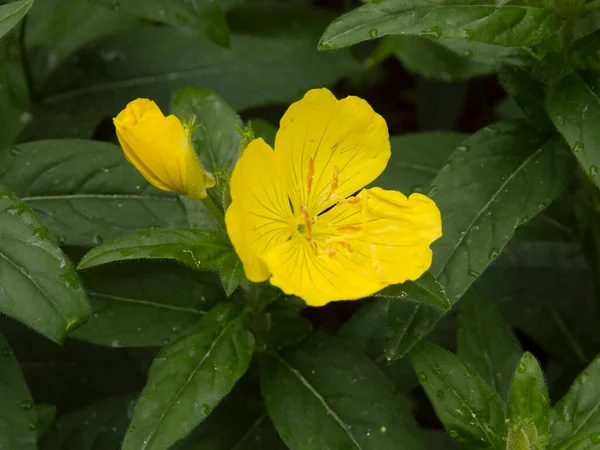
(579, 146)
(422, 376)
(373, 33)
(522, 367)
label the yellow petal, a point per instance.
(328, 149)
(259, 217)
(358, 247)
(160, 149)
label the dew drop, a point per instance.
(463, 148)
(453, 434)
(97, 239)
(422, 376)
(595, 438)
(494, 253)
(440, 395)
(578, 147)
(474, 273)
(131, 428)
(467, 54)
(373, 33)
(433, 33)
(6, 352)
(26, 405)
(15, 151)
(468, 33)
(205, 409)
(32, 426)
(522, 367)
(593, 171)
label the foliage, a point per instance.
(127, 320)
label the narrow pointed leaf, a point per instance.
(12, 13)
(578, 411)
(189, 377)
(528, 408)
(198, 249)
(326, 394)
(18, 417)
(484, 193)
(425, 290)
(471, 412)
(508, 23)
(85, 192)
(486, 343)
(38, 285)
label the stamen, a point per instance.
(334, 182)
(307, 222)
(313, 244)
(310, 175)
(347, 246)
(350, 228)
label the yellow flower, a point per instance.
(161, 149)
(294, 218)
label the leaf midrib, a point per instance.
(15, 11)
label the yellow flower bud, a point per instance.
(160, 148)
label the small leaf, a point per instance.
(324, 394)
(472, 413)
(486, 343)
(198, 249)
(232, 274)
(484, 193)
(18, 417)
(12, 13)
(528, 407)
(189, 377)
(425, 290)
(508, 23)
(38, 285)
(578, 412)
(45, 416)
(214, 134)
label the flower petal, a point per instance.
(259, 217)
(328, 149)
(358, 247)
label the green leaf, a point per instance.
(578, 411)
(92, 86)
(509, 23)
(232, 273)
(486, 343)
(240, 422)
(12, 13)
(326, 394)
(18, 419)
(574, 107)
(433, 115)
(140, 305)
(215, 136)
(57, 28)
(203, 16)
(39, 285)
(45, 417)
(433, 60)
(589, 441)
(484, 193)
(472, 413)
(189, 378)
(528, 407)
(86, 192)
(528, 92)
(416, 160)
(98, 426)
(425, 290)
(198, 249)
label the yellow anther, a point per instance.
(334, 182)
(310, 175)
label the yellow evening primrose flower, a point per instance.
(295, 217)
(161, 149)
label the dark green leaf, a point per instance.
(189, 378)
(45, 416)
(416, 160)
(578, 411)
(326, 394)
(86, 192)
(425, 290)
(528, 407)
(484, 193)
(198, 249)
(486, 343)
(240, 422)
(232, 274)
(215, 136)
(39, 286)
(100, 426)
(472, 413)
(263, 129)
(12, 13)
(588, 441)
(508, 23)
(18, 418)
(105, 75)
(574, 107)
(203, 16)
(139, 305)
(528, 92)
(57, 28)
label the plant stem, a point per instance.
(214, 211)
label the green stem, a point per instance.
(214, 211)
